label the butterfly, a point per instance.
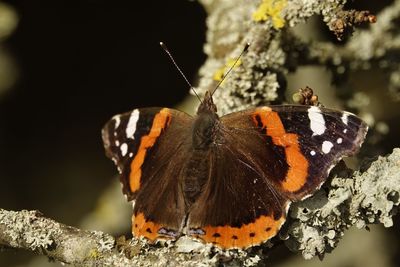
(225, 180)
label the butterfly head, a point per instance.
(207, 105)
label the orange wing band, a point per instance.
(160, 122)
(142, 227)
(298, 165)
(227, 237)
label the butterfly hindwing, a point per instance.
(146, 144)
(240, 205)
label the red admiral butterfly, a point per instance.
(226, 180)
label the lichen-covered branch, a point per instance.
(357, 200)
(376, 47)
(314, 228)
(275, 51)
(29, 230)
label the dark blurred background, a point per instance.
(80, 62)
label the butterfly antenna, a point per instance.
(231, 68)
(179, 69)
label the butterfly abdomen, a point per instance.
(195, 176)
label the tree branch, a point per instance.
(274, 52)
(357, 200)
(31, 231)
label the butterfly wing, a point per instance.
(313, 139)
(264, 159)
(146, 144)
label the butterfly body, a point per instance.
(225, 180)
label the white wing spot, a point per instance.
(317, 122)
(124, 149)
(326, 147)
(131, 155)
(131, 127)
(345, 118)
(312, 153)
(339, 140)
(116, 142)
(345, 131)
(117, 121)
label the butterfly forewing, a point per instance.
(309, 139)
(146, 145)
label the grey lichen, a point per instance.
(361, 199)
(229, 27)
(274, 52)
(25, 227)
(365, 46)
(31, 231)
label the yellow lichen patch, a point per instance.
(93, 254)
(220, 73)
(271, 9)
